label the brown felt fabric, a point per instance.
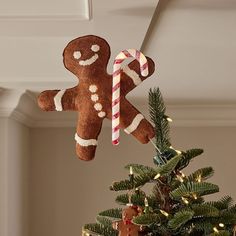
(124, 226)
(79, 98)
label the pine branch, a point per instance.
(138, 200)
(180, 218)
(167, 168)
(104, 221)
(157, 114)
(115, 213)
(203, 173)
(138, 181)
(98, 229)
(141, 169)
(220, 233)
(202, 225)
(122, 185)
(204, 210)
(224, 203)
(188, 156)
(147, 219)
(190, 188)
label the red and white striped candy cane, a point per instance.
(116, 87)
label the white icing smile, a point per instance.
(89, 61)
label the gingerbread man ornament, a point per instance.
(125, 226)
(87, 58)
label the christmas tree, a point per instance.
(176, 205)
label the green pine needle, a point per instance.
(147, 219)
(141, 169)
(167, 168)
(115, 213)
(157, 111)
(98, 229)
(224, 203)
(190, 188)
(137, 200)
(205, 210)
(104, 221)
(180, 218)
(221, 233)
(188, 156)
(204, 173)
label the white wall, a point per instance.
(66, 193)
(14, 179)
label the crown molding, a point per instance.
(21, 105)
(82, 16)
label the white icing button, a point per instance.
(98, 106)
(101, 114)
(93, 88)
(77, 54)
(94, 97)
(95, 48)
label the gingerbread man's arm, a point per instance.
(133, 122)
(131, 75)
(58, 100)
(88, 128)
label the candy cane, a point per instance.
(116, 87)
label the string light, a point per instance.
(157, 176)
(178, 151)
(169, 119)
(183, 175)
(131, 170)
(164, 213)
(216, 230)
(195, 196)
(199, 179)
(146, 202)
(221, 225)
(185, 200)
(180, 178)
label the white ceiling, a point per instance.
(193, 43)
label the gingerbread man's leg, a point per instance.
(88, 129)
(131, 75)
(133, 122)
(58, 100)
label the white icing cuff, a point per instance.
(85, 142)
(133, 75)
(57, 100)
(135, 123)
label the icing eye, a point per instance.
(77, 54)
(95, 48)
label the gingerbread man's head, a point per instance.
(86, 54)
(129, 213)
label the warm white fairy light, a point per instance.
(157, 176)
(180, 178)
(178, 151)
(164, 213)
(169, 119)
(146, 202)
(221, 225)
(199, 179)
(185, 200)
(195, 196)
(131, 170)
(216, 230)
(182, 174)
